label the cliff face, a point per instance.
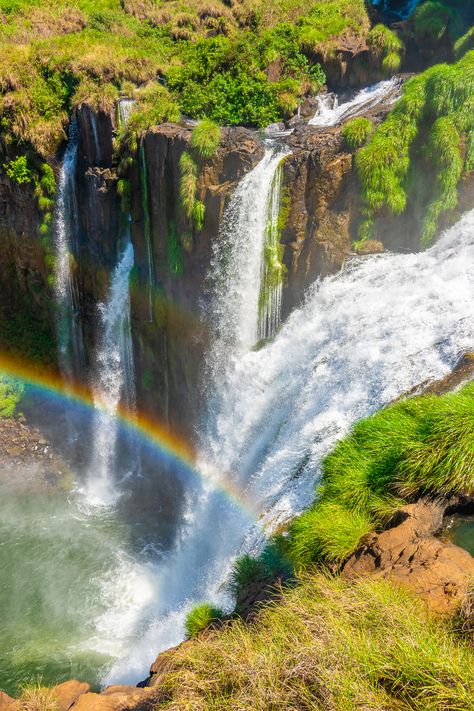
(172, 266)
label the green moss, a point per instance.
(419, 447)
(174, 251)
(200, 617)
(357, 131)
(436, 105)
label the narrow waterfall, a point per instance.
(69, 329)
(113, 382)
(236, 265)
(332, 112)
(364, 337)
(272, 268)
(124, 109)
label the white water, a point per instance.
(236, 265)
(271, 270)
(363, 337)
(70, 338)
(113, 382)
(331, 113)
(124, 109)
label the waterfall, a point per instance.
(69, 328)
(361, 339)
(124, 109)
(113, 381)
(272, 268)
(331, 112)
(236, 264)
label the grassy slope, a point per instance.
(56, 54)
(326, 645)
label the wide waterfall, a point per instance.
(362, 338)
(113, 382)
(70, 337)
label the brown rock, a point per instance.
(69, 692)
(116, 698)
(7, 703)
(410, 554)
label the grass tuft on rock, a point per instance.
(422, 446)
(205, 138)
(200, 617)
(357, 131)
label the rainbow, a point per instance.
(150, 431)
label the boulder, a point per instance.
(408, 553)
(69, 692)
(116, 698)
(7, 703)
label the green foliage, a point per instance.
(327, 644)
(11, 392)
(438, 106)
(357, 131)
(327, 532)
(200, 617)
(387, 46)
(249, 572)
(18, 170)
(198, 215)
(421, 446)
(431, 21)
(205, 138)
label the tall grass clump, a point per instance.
(419, 447)
(357, 131)
(326, 644)
(35, 697)
(200, 617)
(430, 130)
(205, 138)
(387, 46)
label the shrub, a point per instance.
(11, 392)
(18, 170)
(200, 617)
(357, 132)
(205, 138)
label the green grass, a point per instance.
(419, 447)
(357, 131)
(430, 133)
(205, 138)
(200, 617)
(326, 644)
(387, 46)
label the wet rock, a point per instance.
(408, 553)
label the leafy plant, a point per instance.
(18, 170)
(11, 392)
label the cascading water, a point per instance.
(272, 268)
(363, 338)
(113, 382)
(331, 113)
(70, 336)
(124, 110)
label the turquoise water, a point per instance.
(58, 564)
(462, 532)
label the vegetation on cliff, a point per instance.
(11, 392)
(326, 644)
(417, 447)
(244, 62)
(418, 155)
